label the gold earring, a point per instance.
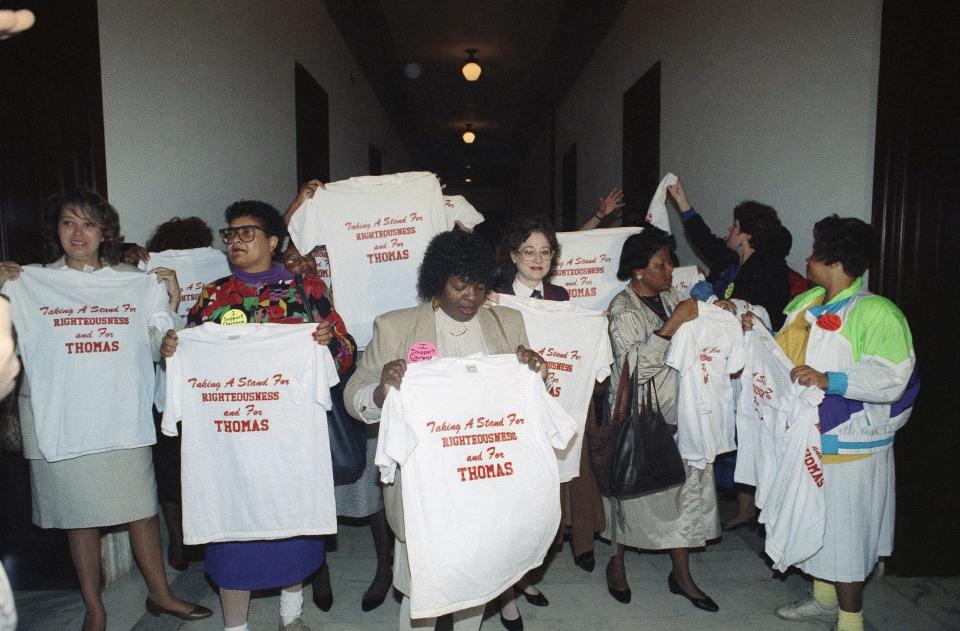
(436, 304)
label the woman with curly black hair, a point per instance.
(452, 321)
(856, 347)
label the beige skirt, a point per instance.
(104, 489)
(684, 516)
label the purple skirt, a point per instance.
(251, 565)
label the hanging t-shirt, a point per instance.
(779, 451)
(587, 267)
(85, 342)
(573, 340)
(255, 455)
(657, 210)
(686, 277)
(475, 438)
(376, 229)
(706, 351)
(195, 268)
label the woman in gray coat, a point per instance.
(643, 318)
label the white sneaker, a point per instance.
(296, 625)
(807, 610)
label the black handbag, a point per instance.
(646, 458)
(348, 440)
(348, 436)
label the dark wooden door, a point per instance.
(51, 119)
(568, 196)
(916, 206)
(313, 128)
(641, 145)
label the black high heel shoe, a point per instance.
(322, 591)
(378, 590)
(620, 595)
(537, 600)
(706, 603)
(512, 625)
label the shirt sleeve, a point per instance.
(558, 425)
(682, 355)
(735, 358)
(306, 225)
(396, 441)
(886, 353)
(604, 357)
(172, 412)
(459, 209)
(325, 370)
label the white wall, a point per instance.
(198, 102)
(772, 100)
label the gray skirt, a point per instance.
(363, 497)
(104, 489)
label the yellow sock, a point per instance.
(825, 594)
(850, 621)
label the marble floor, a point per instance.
(730, 570)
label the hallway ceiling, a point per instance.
(531, 52)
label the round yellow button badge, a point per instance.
(234, 316)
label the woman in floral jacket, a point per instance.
(261, 290)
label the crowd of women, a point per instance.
(865, 362)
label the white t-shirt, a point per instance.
(574, 342)
(587, 267)
(706, 351)
(85, 342)
(657, 210)
(195, 268)
(779, 451)
(475, 438)
(255, 451)
(376, 229)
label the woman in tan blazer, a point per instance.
(452, 321)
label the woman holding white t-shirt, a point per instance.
(643, 318)
(529, 253)
(261, 290)
(72, 493)
(456, 271)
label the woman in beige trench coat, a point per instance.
(643, 318)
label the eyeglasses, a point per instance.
(244, 233)
(529, 254)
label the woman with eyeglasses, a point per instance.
(529, 251)
(261, 290)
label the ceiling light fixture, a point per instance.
(468, 135)
(471, 68)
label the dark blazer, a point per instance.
(763, 280)
(550, 291)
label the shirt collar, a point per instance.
(519, 289)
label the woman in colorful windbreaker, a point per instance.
(857, 347)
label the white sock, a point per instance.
(242, 627)
(291, 605)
